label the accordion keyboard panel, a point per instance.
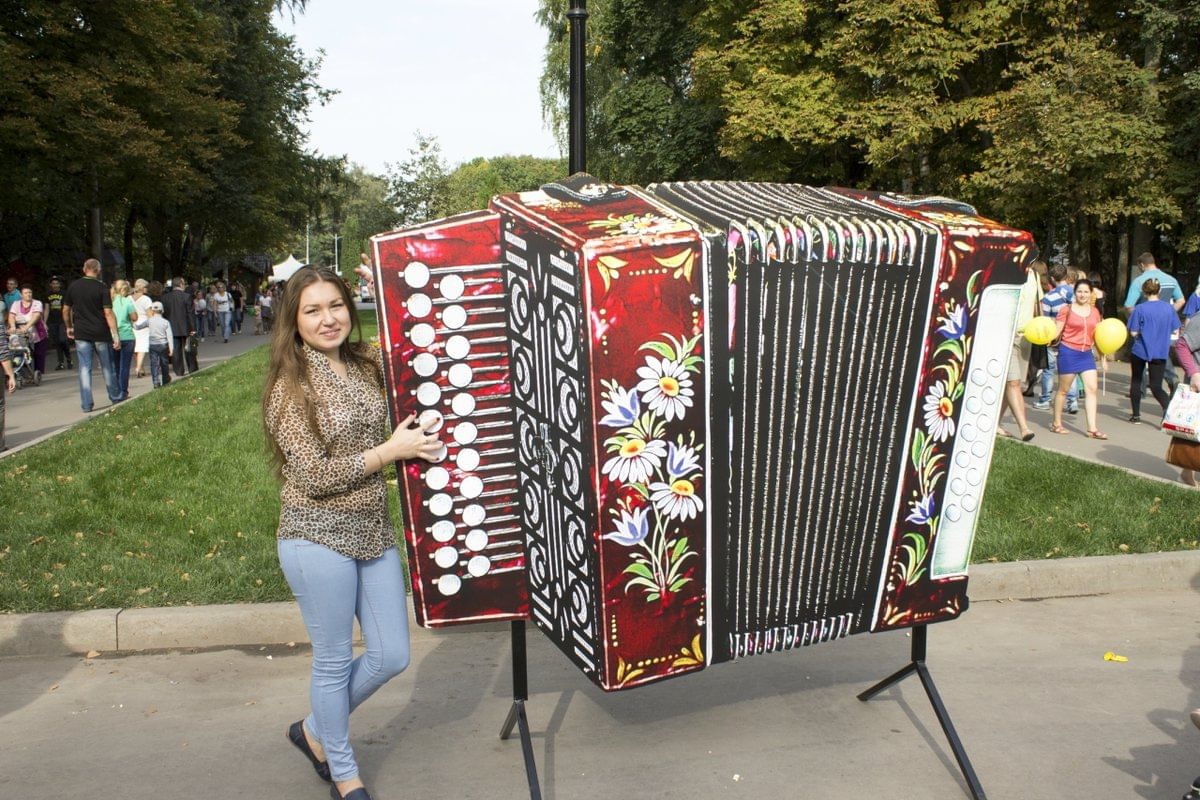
(448, 358)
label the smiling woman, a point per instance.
(326, 418)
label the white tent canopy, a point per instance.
(285, 269)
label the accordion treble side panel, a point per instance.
(444, 338)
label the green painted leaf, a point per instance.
(661, 348)
(637, 568)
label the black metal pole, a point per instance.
(516, 713)
(577, 135)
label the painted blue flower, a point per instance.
(681, 461)
(921, 511)
(954, 324)
(623, 408)
(631, 528)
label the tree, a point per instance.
(471, 185)
(415, 184)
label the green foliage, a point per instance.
(181, 117)
(1062, 115)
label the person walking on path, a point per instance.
(177, 309)
(126, 313)
(11, 293)
(1076, 326)
(10, 384)
(27, 318)
(337, 544)
(88, 316)
(200, 309)
(1028, 306)
(55, 330)
(1054, 301)
(161, 342)
(141, 333)
(1187, 350)
(1151, 325)
(224, 311)
(1168, 290)
(238, 294)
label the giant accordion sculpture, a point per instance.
(697, 421)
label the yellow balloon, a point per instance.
(1110, 335)
(1040, 330)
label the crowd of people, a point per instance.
(133, 330)
(1163, 325)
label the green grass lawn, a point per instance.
(169, 500)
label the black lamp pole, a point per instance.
(577, 158)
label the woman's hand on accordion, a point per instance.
(410, 440)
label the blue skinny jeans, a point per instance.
(332, 590)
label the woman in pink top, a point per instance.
(1076, 335)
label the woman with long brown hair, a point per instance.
(326, 419)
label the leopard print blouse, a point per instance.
(326, 496)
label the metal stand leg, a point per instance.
(919, 641)
(516, 714)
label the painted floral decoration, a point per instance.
(662, 475)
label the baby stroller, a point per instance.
(22, 361)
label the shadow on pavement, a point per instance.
(20, 686)
(1157, 766)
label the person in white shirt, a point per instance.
(223, 307)
(162, 345)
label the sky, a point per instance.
(463, 71)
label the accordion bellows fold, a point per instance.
(698, 421)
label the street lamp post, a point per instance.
(337, 264)
(577, 138)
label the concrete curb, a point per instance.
(185, 627)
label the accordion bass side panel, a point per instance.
(444, 338)
(608, 313)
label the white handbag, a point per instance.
(1182, 418)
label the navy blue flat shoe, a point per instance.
(358, 794)
(295, 735)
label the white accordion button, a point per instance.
(440, 504)
(957, 486)
(446, 557)
(419, 305)
(977, 376)
(430, 420)
(439, 455)
(985, 424)
(476, 540)
(479, 566)
(449, 584)
(463, 404)
(460, 375)
(442, 530)
(422, 334)
(961, 458)
(416, 275)
(458, 346)
(989, 396)
(451, 287)
(973, 405)
(465, 432)
(974, 477)
(454, 317)
(969, 503)
(467, 460)
(437, 478)
(471, 487)
(428, 393)
(474, 515)
(953, 513)
(425, 364)
(994, 367)
(979, 449)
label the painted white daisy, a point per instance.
(939, 411)
(665, 387)
(636, 460)
(676, 499)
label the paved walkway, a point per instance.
(36, 412)
(1042, 714)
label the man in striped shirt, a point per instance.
(1061, 295)
(11, 383)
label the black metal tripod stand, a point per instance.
(516, 714)
(919, 641)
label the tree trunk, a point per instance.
(127, 244)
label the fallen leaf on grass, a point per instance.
(1124, 548)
